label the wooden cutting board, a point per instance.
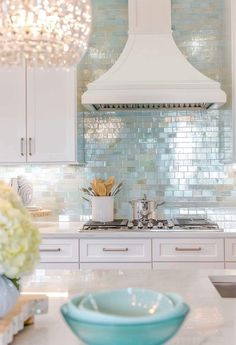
(40, 213)
(21, 316)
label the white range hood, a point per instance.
(151, 72)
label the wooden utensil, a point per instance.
(110, 180)
(101, 189)
(94, 187)
(109, 184)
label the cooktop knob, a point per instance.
(150, 225)
(130, 225)
(160, 225)
(140, 225)
(170, 224)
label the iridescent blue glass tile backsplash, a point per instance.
(176, 156)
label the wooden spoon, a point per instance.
(109, 184)
(101, 189)
(94, 187)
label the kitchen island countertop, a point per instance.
(212, 320)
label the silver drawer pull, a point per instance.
(56, 250)
(115, 249)
(188, 249)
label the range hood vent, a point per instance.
(148, 106)
(151, 72)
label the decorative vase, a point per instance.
(102, 208)
(8, 295)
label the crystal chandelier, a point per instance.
(44, 32)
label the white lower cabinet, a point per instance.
(137, 253)
(115, 250)
(188, 250)
(60, 250)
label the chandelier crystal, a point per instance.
(44, 32)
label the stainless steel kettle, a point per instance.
(144, 209)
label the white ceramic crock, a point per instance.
(103, 208)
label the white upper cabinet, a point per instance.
(230, 62)
(37, 115)
(51, 111)
(12, 115)
(231, 13)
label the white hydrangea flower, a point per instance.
(19, 238)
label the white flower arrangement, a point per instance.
(19, 238)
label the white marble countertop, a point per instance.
(74, 230)
(212, 320)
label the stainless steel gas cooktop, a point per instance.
(176, 224)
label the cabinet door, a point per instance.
(51, 115)
(12, 115)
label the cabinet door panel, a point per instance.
(51, 111)
(12, 115)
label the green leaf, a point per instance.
(16, 282)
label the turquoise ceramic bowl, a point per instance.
(130, 305)
(152, 332)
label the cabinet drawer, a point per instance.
(115, 250)
(230, 249)
(188, 250)
(59, 250)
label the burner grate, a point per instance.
(191, 223)
(115, 224)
